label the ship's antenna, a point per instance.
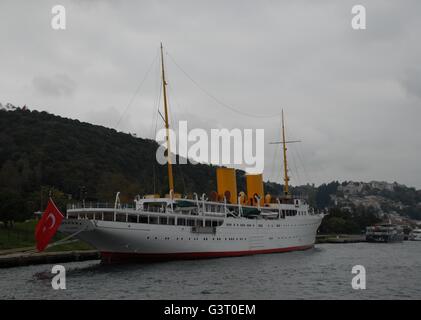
(284, 153)
(284, 149)
(167, 127)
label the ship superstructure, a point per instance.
(226, 223)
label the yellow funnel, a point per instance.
(226, 184)
(255, 187)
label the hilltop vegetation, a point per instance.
(41, 153)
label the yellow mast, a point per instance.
(167, 127)
(286, 178)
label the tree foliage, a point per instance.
(345, 222)
(41, 153)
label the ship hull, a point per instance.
(122, 241)
(121, 257)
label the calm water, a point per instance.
(393, 272)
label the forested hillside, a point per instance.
(42, 153)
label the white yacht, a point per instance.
(172, 227)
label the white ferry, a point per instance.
(384, 233)
(172, 227)
(416, 235)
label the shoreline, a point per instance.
(21, 258)
(340, 238)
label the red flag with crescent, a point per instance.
(47, 226)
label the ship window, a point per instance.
(171, 221)
(153, 220)
(214, 223)
(143, 219)
(108, 216)
(181, 222)
(163, 220)
(208, 223)
(120, 217)
(132, 218)
(190, 222)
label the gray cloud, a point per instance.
(412, 81)
(56, 85)
(351, 96)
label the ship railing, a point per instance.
(121, 215)
(154, 209)
(99, 205)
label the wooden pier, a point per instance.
(340, 238)
(17, 259)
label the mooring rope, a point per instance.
(58, 242)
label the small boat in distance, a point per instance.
(415, 235)
(227, 224)
(384, 233)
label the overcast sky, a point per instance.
(352, 97)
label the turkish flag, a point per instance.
(47, 225)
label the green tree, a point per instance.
(11, 208)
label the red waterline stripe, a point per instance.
(111, 257)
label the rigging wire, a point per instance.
(156, 113)
(299, 181)
(156, 102)
(173, 117)
(175, 120)
(300, 162)
(304, 167)
(213, 97)
(274, 172)
(137, 90)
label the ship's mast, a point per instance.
(167, 127)
(286, 178)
